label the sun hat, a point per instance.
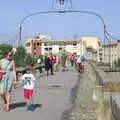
(28, 67)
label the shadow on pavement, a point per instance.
(17, 105)
(23, 104)
(37, 106)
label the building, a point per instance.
(110, 52)
(91, 53)
(33, 46)
(45, 44)
(70, 46)
(94, 42)
(92, 48)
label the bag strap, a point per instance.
(7, 66)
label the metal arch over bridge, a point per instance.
(62, 12)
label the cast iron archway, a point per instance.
(61, 12)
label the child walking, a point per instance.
(28, 80)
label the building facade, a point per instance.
(92, 53)
(110, 52)
(92, 48)
(33, 46)
(57, 46)
(44, 44)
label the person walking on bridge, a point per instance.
(8, 71)
(28, 80)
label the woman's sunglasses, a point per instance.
(10, 55)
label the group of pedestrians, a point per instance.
(77, 61)
(8, 79)
(8, 76)
(49, 62)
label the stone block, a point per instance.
(115, 105)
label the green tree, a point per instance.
(19, 56)
(4, 47)
(30, 60)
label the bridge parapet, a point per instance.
(109, 82)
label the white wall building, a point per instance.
(110, 52)
(70, 46)
(49, 45)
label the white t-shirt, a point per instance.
(78, 60)
(29, 81)
(38, 60)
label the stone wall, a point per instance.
(110, 82)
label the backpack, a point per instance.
(82, 58)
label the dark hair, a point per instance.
(6, 52)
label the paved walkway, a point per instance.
(52, 97)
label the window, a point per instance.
(50, 49)
(38, 44)
(46, 44)
(60, 48)
(74, 44)
(46, 49)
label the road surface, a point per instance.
(52, 97)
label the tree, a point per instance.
(30, 60)
(22, 58)
(4, 47)
(19, 56)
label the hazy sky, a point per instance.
(60, 26)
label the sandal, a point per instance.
(6, 109)
(4, 106)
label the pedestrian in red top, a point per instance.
(56, 61)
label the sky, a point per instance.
(59, 26)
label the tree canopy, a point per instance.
(19, 56)
(4, 47)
